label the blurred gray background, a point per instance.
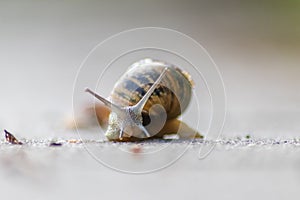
(256, 45)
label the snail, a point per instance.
(145, 103)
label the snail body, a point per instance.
(146, 101)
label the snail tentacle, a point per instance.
(109, 104)
(145, 131)
(121, 133)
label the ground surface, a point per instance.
(240, 168)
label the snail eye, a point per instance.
(146, 118)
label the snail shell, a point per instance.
(173, 92)
(146, 101)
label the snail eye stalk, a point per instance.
(109, 104)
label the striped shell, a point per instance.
(173, 92)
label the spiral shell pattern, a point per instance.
(173, 93)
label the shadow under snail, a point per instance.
(145, 103)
